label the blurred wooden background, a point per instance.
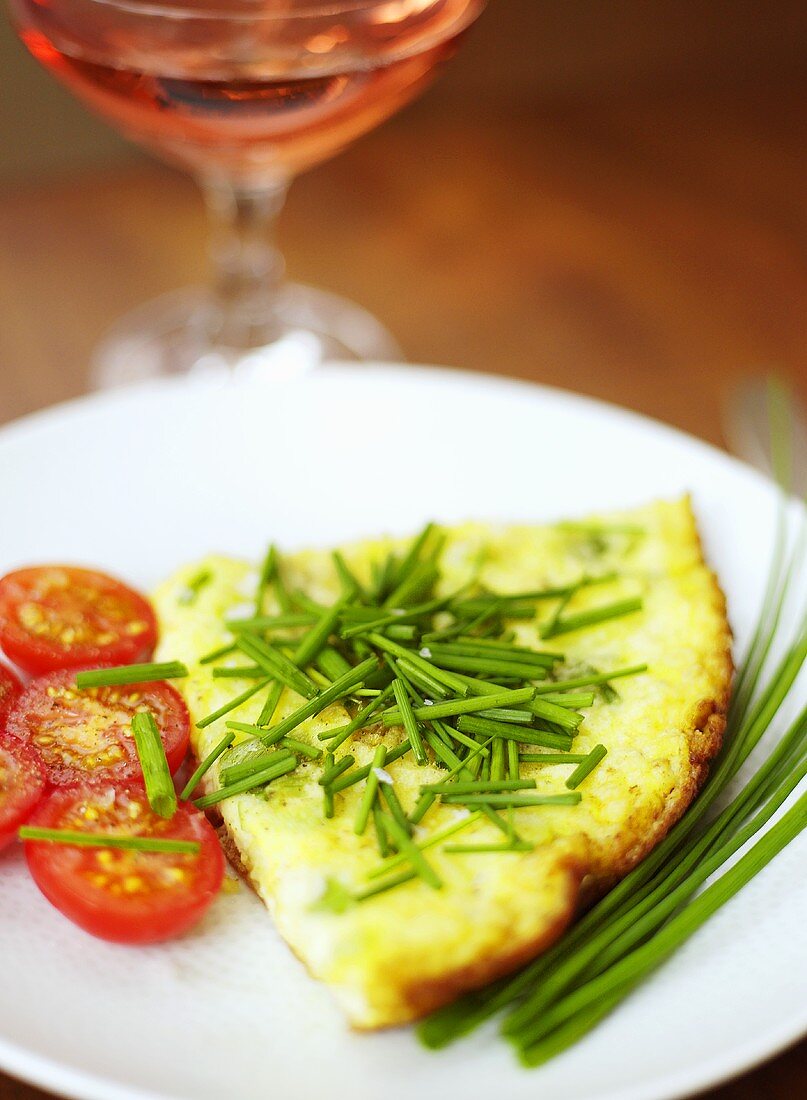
(608, 197)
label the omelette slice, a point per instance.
(490, 903)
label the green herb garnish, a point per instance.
(159, 785)
(109, 840)
(130, 674)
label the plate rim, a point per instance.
(29, 1066)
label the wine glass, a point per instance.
(243, 94)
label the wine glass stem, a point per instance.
(247, 268)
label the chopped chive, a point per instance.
(471, 849)
(427, 684)
(250, 728)
(409, 721)
(233, 704)
(317, 637)
(370, 791)
(430, 842)
(446, 678)
(396, 616)
(257, 762)
(585, 681)
(270, 706)
(489, 666)
(248, 783)
(394, 806)
(194, 586)
(301, 748)
(463, 739)
(592, 617)
(473, 786)
(157, 775)
(513, 769)
(567, 719)
(552, 757)
(265, 577)
(505, 714)
(333, 770)
(320, 680)
(586, 766)
(422, 806)
(327, 793)
(442, 752)
(338, 689)
(109, 840)
(411, 557)
(489, 728)
(387, 884)
(380, 832)
(402, 632)
(341, 734)
(131, 674)
(205, 765)
(258, 623)
(452, 707)
(485, 651)
(216, 654)
(516, 800)
(497, 759)
(348, 780)
(417, 584)
(407, 847)
(278, 666)
(238, 672)
(332, 663)
(351, 587)
(577, 700)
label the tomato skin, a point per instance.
(10, 691)
(22, 785)
(57, 616)
(125, 896)
(85, 735)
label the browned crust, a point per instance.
(424, 996)
(704, 736)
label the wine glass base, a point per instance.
(172, 335)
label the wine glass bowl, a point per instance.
(243, 94)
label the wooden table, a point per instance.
(647, 251)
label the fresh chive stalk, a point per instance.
(109, 840)
(131, 674)
(586, 766)
(157, 775)
(370, 791)
(592, 617)
(516, 800)
(249, 783)
(409, 721)
(205, 765)
(338, 690)
(231, 704)
(407, 847)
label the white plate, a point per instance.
(137, 481)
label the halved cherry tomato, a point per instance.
(10, 691)
(122, 895)
(22, 785)
(86, 736)
(58, 616)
